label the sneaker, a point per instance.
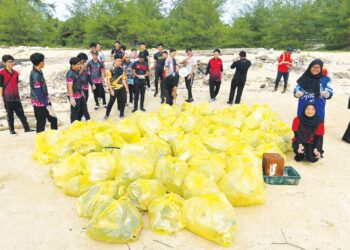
(134, 110)
(230, 103)
(155, 94)
(130, 105)
(143, 109)
(105, 118)
(275, 90)
(12, 132)
(188, 100)
(284, 91)
(191, 100)
(96, 107)
(122, 116)
(105, 106)
(29, 130)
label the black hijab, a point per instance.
(308, 125)
(310, 82)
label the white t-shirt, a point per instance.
(190, 62)
(169, 65)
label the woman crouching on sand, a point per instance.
(308, 135)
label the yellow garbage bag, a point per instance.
(104, 139)
(132, 167)
(70, 167)
(76, 186)
(190, 147)
(186, 121)
(149, 123)
(212, 167)
(44, 143)
(119, 222)
(172, 172)
(196, 184)
(102, 191)
(100, 166)
(212, 217)
(243, 186)
(168, 114)
(85, 145)
(165, 214)
(143, 191)
(128, 129)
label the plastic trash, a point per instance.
(119, 222)
(100, 166)
(197, 184)
(143, 191)
(212, 217)
(166, 214)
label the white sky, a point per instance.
(232, 8)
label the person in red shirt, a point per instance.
(214, 69)
(284, 65)
(9, 94)
(308, 135)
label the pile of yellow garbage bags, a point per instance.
(186, 167)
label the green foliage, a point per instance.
(187, 23)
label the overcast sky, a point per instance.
(232, 8)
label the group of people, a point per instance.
(130, 75)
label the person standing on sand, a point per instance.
(158, 67)
(162, 82)
(85, 80)
(171, 72)
(145, 53)
(140, 71)
(190, 63)
(346, 136)
(75, 91)
(242, 65)
(43, 109)
(284, 65)
(215, 69)
(97, 73)
(9, 95)
(127, 67)
(118, 87)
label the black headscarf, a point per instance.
(310, 82)
(308, 125)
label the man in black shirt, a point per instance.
(145, 53)
(158, 66)
(116, 50)
(140, 71)
(242, 65)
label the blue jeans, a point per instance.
(279, 77)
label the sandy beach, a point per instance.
(34, 214)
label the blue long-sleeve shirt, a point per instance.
(320, 103)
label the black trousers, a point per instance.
(168, 89)
(279, 77)
(158, 75)
(346, 136)
(189, 84)
(120, 95)
(41, 115)
(80, 109)
(148, 81)
(86, 114)
(99, 92)
(239, 85)
(131, 92)
(15, 107)
(139, 93)
(214, 87)
(308, 153)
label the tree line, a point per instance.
(304, 24)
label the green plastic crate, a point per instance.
(290, 177)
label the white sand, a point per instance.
(34, 214)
